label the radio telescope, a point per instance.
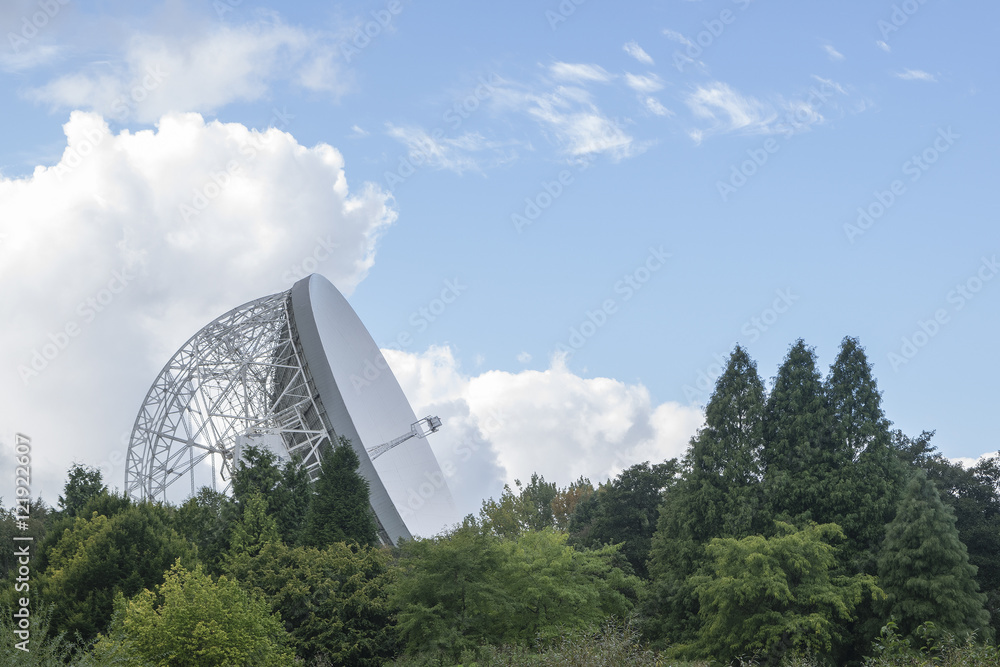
(292, 373)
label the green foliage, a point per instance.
(775, 596)
(192, 621)
(924, 567)
(893, 650)
(470, 587)
(250, 534)
(974, 495)
(867, 478)
(448, 591)
(47, 648)
(206, 520)
(40, 521)
(82, 484)
(528, 509)
(719, 495)
(614, 645)
(799, 457)
(566, 501)
(333, 601)
(100, 557)
(625, 511)
(289, 501)
(287, 489)
(339, 509)
(257, 472)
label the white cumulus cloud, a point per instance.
(132, 242)
(501, 426)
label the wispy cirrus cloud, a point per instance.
(644, 83)
(655, 107)
(675, 36)
(915, 75)
(832, 53)
(637, 52)
(578, 125)
(458, 154)
(579, 72)
(202, 71)
(728, 109)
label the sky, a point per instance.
(557, 219)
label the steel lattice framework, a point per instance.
(242, 374)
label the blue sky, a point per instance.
(645, 186)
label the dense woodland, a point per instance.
(798, 529)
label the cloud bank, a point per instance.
(111, 258)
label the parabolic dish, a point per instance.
(366, 404)
(296, 370)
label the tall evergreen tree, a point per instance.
(924, 568)
(255, 529)
(974, 495)
(256, 472)
(289, 501)
(799, 457)
(867, 477)
(207, 520)
(719, 495)
(340, 509)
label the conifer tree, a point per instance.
(290, 501)
(250, 534)
(719, 495)
(924, 568)
(867, 477)
(799, 457)
(340, 509)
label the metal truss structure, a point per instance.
(243, 374)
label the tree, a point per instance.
(192, 621)
(867, 478)
(528, 509)
(566, 501)
(82, 484)
(206, 520)
(775, 596)
(974, 495)
(799, 458)
(340, 509)
(448, 591)
(256, 472)
(40, 524)
(289, 501)
(333, 601)
(556, 588)
(719, 495)
(626, 511)
(924, 567)
(255, 529)
(99, 557)
(470, 587)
